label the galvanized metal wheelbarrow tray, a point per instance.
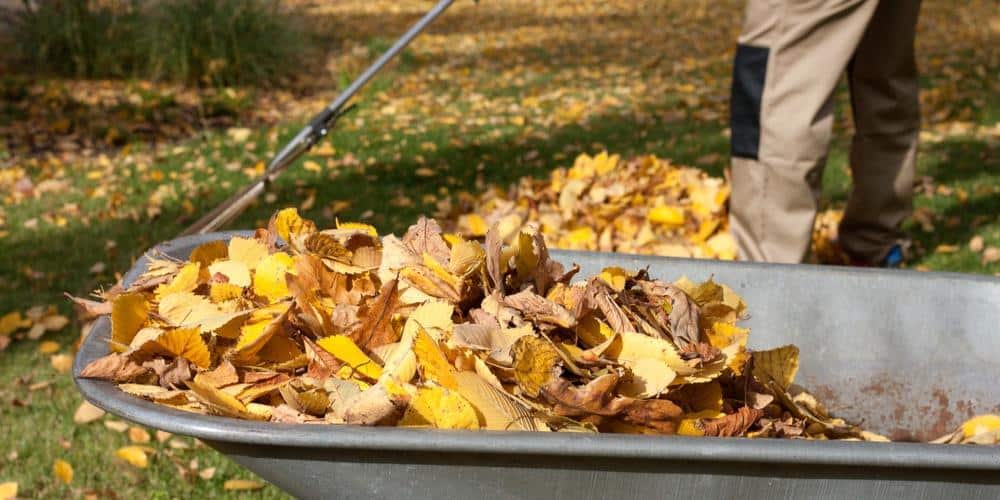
(909, 354)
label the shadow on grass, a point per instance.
(966, 164)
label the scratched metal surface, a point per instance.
(910, 354)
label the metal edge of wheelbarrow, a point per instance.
(243, 438)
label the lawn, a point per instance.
(495, 91)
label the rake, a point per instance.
(310, 135)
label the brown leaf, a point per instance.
(658, 414)
(683, 317)
(595, 398)
(119, 369)
(493, 265)
(425, 237)
(376, 328)
(375, 406)
(735, 424)
(702, 351)
(89, 309)
(540, 309)
(176, 374)
(223, 375)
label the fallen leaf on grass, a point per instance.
(8, 490)
(133, 455)
(87, 413)
(48, 347)
(63, 470)
(116, 425)
(138, 435)
(62, 363)
(242, 485)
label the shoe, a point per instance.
(892, 260)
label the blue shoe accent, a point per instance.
(894, 258)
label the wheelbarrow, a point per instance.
(908, 355)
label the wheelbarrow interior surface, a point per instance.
(905, 354)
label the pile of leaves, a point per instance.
(646, 205)
(341, 326)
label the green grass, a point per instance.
(204, 42)
(38, 265)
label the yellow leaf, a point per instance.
(259, 328)
(434, 317)
(186, 280)
(494, 407)
(48, 347)
(723, 246)
(63, 470)
(980, 425)
(128, 313)
(344, 349)
(207, 253)
(241, 485)
(186, 308)
(535, 362)
(690, 427)
(8, 490)
(220, 402)
(236, 272)
(134, 455)
(87, 413)
(667, 216)
(279, 349)
(603, 163)
(615, 277)
(593, 331)
(580, 238)
(635, 346)
(185, 343)
(649, 378)
(357, 226)
(431, 362)
(440, 408)
(777, 365)
(288, 223)
(221, 292)
(249, 251)
(11, 322)
(62, 363)
(466, 257)
(269, 278)
(732, 340)
(474, 225)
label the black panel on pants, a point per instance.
(749, 70)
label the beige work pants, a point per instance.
(789, 59)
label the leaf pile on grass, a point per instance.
(205, 42)
(298, 325)
(645, 205)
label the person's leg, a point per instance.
(884, 96)
(790, 56)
